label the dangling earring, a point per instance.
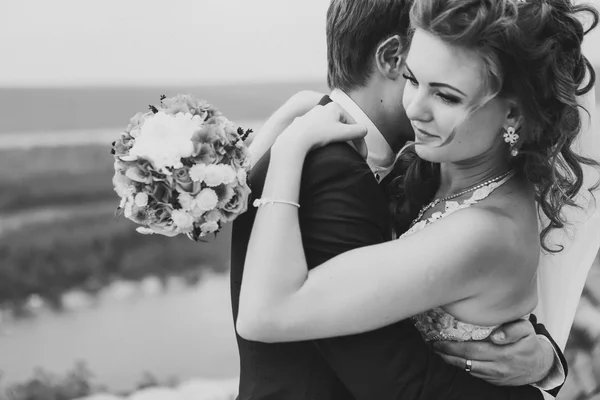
(511, 137)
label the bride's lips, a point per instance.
(424, 135)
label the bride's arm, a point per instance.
(363, 289)
(296, 106)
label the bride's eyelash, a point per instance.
(410, 78)
(450, 100)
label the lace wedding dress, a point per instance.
(437, 324)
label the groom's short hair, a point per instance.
(354, 30)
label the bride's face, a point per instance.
(444, 84)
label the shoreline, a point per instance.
(75, 137)
(25, 140)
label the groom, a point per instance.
(344, 207)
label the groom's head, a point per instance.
(365, 38)
(366, 43)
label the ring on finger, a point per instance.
(468, 366)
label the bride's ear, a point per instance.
(514, 114)
(389, 57)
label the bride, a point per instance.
(493, 101)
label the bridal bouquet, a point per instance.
(181, 169)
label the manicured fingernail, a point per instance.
(499, 336)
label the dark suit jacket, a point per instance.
(343, 208)
(540, 329)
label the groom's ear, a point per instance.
(389, 57)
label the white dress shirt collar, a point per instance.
(380, 157)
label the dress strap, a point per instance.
(453, 206)
(477, 196)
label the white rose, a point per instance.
(141, 199)
(119, 166)
(209, 227)
(207, 199)
(124, 201)
(214, 175)
(128, 158)
(128, 207)
(197, 212)
(241, 176)
(164, 139)
(186, 200)
(213, 216)
(183, 220)
(122, 185)
(167, 228)
(135, 132)
(229, 174)
(198, 172)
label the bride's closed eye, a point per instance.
(450, 100)
(447, 99)
(411, 79)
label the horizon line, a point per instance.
(117, 84)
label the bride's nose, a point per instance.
(417, 106)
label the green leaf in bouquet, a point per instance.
(244, 135)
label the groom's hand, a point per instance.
(513, 356)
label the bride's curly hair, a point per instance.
(532, 53)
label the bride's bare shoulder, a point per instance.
(491, 234)
(514, 218)
(515, 211)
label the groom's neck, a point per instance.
(390, 119)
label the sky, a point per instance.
(139, 42)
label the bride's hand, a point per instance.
(301, 103)
(296, 106)
(321, 126)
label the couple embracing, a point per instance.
(391, 249)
